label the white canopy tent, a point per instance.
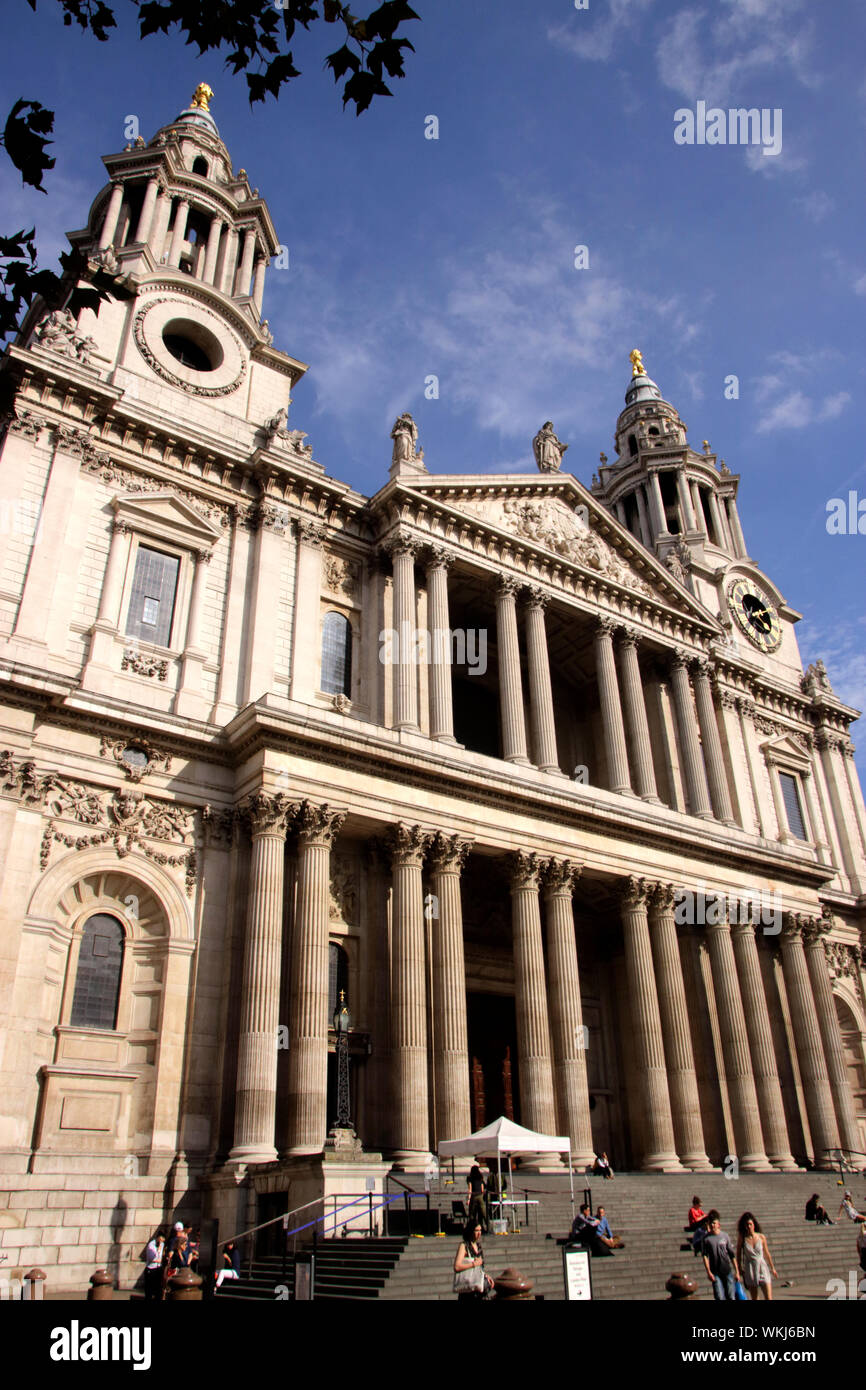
(505, 1137)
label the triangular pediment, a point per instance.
(166, 516)
(556, 514)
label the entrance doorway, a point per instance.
(493, 1079)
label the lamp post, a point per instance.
(342, 1024)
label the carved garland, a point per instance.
(154, 363)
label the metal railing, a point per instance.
(294, 1233)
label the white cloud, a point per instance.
(860, 284)
(595, 38)
(816, 205)
(709, 54)
(842, 648)
(797, 410)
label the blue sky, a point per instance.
(455, 257)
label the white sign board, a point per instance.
(575, 1269)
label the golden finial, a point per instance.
(201, 96)
(637, 366)
(706, 446)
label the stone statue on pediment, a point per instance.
(405, 437)
(548, 450)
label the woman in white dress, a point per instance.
(754, 1258)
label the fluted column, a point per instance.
(644, 526)
(112, 213)
(178, 231)
(831, 1036)
(712, 744)
(571, 1088)
(441, 703)
(810, 1051)
(643, 1007)
(696, 777)
(245, 271)
(760, 1036)
(112, 585)
(611, 709)
(411, 1122)
(723, 539)
(212, 250)
(255, 1106)
(685, 501)
(673, 1012)
(403, 549)
(142, 231)
(259, 282)
(657, 506)
(742, 1094)
(318, 827)
(230, 260)
(698, 507)
(736, 528)
(159, 224)
(450, 1042)
(635, 718)
(540, 692)
(510, 686)
(530, 996)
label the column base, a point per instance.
(652, 800)
(252, 1153)
(519, 761)
(411, 1160)
(661, 1163)
(697, 1163)
(447, 738)
(755, 1163)
(785, 1163)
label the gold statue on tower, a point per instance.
(201, 96)
(637, 366)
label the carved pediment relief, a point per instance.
(551, 523)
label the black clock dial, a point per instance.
(757, 614)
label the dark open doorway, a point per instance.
(493, 1080)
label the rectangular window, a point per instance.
(151, 605)
(793, 808)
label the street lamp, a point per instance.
(342, 1023)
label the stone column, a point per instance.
(673, 1012)
(689, 523)
(540, 692)
(510, 687)
(255, 1106)
(571, 1088)
(646, 533)
(242, 286)
(831, 1035)
(41, 592)
(178, 231)
(530, 996)
(411, 1121)
(450, 1044)
(698, 508)
(760, 1035)
(230, 260)
(215, 231)
(620, 513)
(635, 717)
(270, 524)
(189, 697)
(830, 747)
(439, 562)
(145, 221)
(306, 653)
(259, 282)
(657, 506)
(735, 1046)
(112, 213)
(712, 744)
(696, 778)
(736, 528)
(159, 225)
(318, 827)
(652, 1079)
(611, 710)
(810, 1052)
(403, 549)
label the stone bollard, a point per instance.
(34, 1284)
(101, 1286)
(185, 1284)
(681, 1286)
(511, 1286)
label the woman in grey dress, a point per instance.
(754, 1258)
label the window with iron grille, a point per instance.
(97, 980)
(154, 589)
(336, 655)
(793, 808)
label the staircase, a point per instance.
(647, 1210)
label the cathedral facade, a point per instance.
(527, 774)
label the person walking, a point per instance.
(754, 1258)
(476, 1198)
(470, 1281)
(153, 1257)
(720, 1260)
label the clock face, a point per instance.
(755, 614)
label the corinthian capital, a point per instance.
(606, 628)
(437, 557)
(536, 597)
(447, 853)
(560, 876)
(524, 870)
(633, 892)
(319, 825)
(407, 845)
(268, 814)
(662, 897)
(401, 542)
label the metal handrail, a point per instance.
(272, 1222)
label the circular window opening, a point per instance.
(192, 345)
(134, 756)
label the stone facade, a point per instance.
(533, 769)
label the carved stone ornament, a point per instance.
(219, 824)
(633, 892)
(137, 757)
(341, 576)
(524, 870)
(141, 665)
(106, 260)
(447, 853)
(343, 904)
(560, 876)
(272, 518)
(407, 845)
(548, 450)
(319, 825)
(268, 814)
(310, 531)
(23, 781)
(405, 436)
(341, 703)
(662, 897)
(816, 680)
(163, 370)
(25, 423)
(58, 332)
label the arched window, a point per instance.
(338, 976)
(336, 655)
(97, 981)
(199, 166)
(632, 445)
